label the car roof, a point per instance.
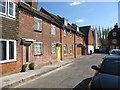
(112, 57)
(115, 50)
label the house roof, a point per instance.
(37, 13)
(110, 36)
(49, 17)
(75, 27)
(58, 19)
(115, 29)
(85, 30)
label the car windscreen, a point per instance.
(110, 67)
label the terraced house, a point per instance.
(79, 38)
(9, 36)
(89, 39)
(114, 38)
(29, 35)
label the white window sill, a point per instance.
(38, 54)
(7, 61)
(53, 34)
(65, 54)
(53, 52)
(6, 16)
(71, 53)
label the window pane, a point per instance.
(37, 24)
(3, 50)
(37, 48)
(10, 5)
(2, 2)
(2, 8)
(53, 47)
(11, 50)
(11, 8)
(11, 11)
(71, 49)
(65, 49)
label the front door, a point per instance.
(58, 52)
(27, 53)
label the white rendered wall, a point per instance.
(90, 47)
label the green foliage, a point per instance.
(103, 35)
(31, 66)
(24, 66)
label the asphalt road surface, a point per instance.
(74, 75)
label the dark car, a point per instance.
(108, 74)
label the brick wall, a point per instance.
(10, 27)
(79, 48)
(10, 31)
(27, 31)
(67, 40)
(115, 45)
(90, 38)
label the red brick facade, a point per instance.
(114, 38)
(67, 40)
(90, 38)
(27, 31)
(10, 32)
(79, 45)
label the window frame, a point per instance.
(7, 51)
(65, 32)
(114, 41)
(5, 9)
(38, 26)
(71, 34)
(71, 49)
(114, 34)
(39, 47)
(13, 9)
(53, 46)
(53, 29)
(65, 50)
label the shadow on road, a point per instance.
(83, 85)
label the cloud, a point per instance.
(74, 3)
(80, 21)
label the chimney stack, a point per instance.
(32, 3)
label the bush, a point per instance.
(31, 66)
(24, 66)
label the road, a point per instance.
(74, 75)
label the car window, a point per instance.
(115, 52)
(110, 67)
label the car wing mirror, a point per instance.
(95, 67)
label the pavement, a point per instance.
(17, 78)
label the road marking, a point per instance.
(43, 75)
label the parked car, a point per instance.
(114, 52)
(103, 50)
(107, 75)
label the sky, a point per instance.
(84, 13)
